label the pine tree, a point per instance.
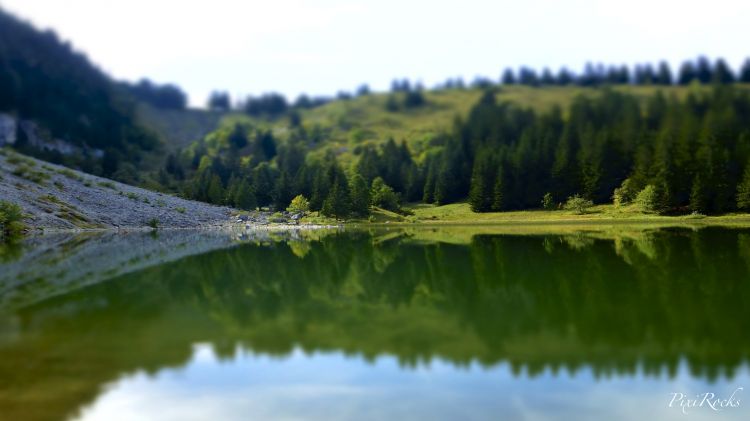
(698, 195)
(282, 193)
(687, 73)
(320, 189)
(664, 75)
(722, 73)
(215, 191)
(508, 77)
(498, 192)
(360, 195)
(264, 146)
(238, 137)
(480, 191)
(263, 184)
(743, 191)
(703, 70)
(244, 196)
(428, 194)
(338, 202)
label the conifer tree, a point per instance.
(480, 191)
(282, 193)
(244, 196)
(428, 193)
(498, 192)
(338, 202)
(698, 195)
(743, 191)
(360, 195)
(215, 191)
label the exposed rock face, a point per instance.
(34, 136)
(7, 130)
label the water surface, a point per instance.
(383, 324)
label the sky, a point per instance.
(320, 47)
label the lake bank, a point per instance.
(460, 214)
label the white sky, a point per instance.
(322, 46)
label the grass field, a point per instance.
(461, 214)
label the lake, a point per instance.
(423, 323)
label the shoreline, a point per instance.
(581, 224)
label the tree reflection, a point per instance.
(617, 305)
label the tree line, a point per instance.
(671, 154)
(167, 96)
(700, 70)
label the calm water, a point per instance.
(418, 324)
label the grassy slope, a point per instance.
(364, 120)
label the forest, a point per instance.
(675, 155)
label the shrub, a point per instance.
(153, 223)
(11, 216)
(548, 202)
(299, 204)
(578, 204)
(624, 194)
(382, 195)
(648, 199)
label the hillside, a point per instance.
(685, 147)
(55, 197)
(346, 124)
(84, 118)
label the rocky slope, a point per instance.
(55, 197)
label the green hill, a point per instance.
(364, 120)
(501, 149)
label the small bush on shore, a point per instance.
(648, 199)
(578, 204)
(299, 205)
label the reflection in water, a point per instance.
(329, 386)
(501, 313)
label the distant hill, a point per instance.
(44, 80)
(347, 125)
